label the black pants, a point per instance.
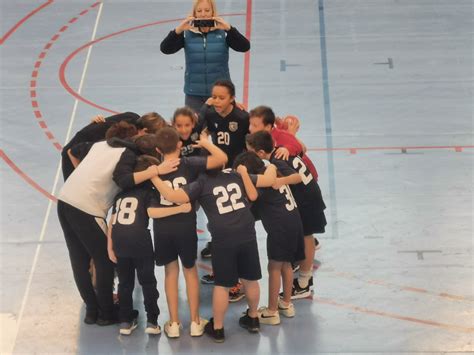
(66, 165)
(195, 102)
(86, 240)
(145, 267)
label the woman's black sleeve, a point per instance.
(237, 41)
(123, 173)
(172, 43)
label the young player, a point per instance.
(235, 253)
(176, 236)
(308, 197)
(95, 132)
(185, 121)
(281, 220)
(130, 247)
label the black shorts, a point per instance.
(312, 215)
(286, 247)
(170, 246)
(231, 263)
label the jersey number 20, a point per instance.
(224, 196)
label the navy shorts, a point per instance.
(231, 263)
(169, 246)
(286, 246)
(312, 215)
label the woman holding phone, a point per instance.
(206, 39)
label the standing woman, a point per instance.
(206, 51)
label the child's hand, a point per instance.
(242, 169)
(167, 166)
(209, 101)
(98, 119)
(240, 106)
(203, 140)
(282, 153)
(186, 207)
(112, 256)
(278, 183)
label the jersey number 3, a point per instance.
(125, 210)
(224, 196)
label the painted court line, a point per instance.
(23, 20)
(48, 211)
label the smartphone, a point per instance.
(204, 23)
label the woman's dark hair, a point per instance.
(251, 161)
(121, 130)
(144, 161)
(147, 144)
(227, 84)
(265, 113)
(185, 111)
(152, 121)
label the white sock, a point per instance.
(303, 278)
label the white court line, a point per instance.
(50, 204)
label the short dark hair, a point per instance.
(265, 112)
(152, 121)
(144, 161)
(261, 140)
(251, 161)
(185, 111)
(121, 130)
(168, 139)
(227, 84)
(147, 144)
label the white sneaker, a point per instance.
(172, 329)
(196, 330)
(153, 329)
(287, 311)
(267, 317)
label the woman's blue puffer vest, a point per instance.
(207, 60)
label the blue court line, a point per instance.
(327, 119)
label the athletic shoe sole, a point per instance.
(237, 298)
(128, 331)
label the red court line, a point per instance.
(35, 74)
(403, 149)
(451, 327)
(23, 20)
(248, 33)
(350, 276)
(62, 69)
(26, 177)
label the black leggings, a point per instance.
(86, 240)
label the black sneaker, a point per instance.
(91, 317)
(206, 252)
(126, 328)
(216, 334)
(249, 323)
(295, 267)
(208, 279)
(299, 292)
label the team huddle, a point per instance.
(237, 166)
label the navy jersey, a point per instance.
(228, 132)
(187, 149)
(306, 192)
(277, 209)
(130, 234)
(188, 171)
(222, 196)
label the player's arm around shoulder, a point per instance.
(250, 188)
(268, 178)
(217, 157)
(176, 196)
(162, 212)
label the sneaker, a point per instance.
(217, 334)
(265, 316)
(152, 328)
(316, 244)
(206, 252)
(91, 317)
(208, 279)
(196, 330)
(126, 328)
(249, 323)
(172, 329)
(287, 311)
(298, 292)
(235, 293)
(295, 267)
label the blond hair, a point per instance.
(211, 2)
